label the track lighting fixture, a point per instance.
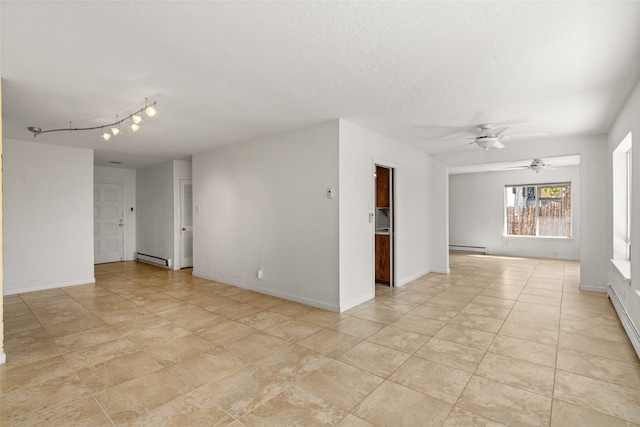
(135, 118)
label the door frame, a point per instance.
(124, 219)
(177, 264)
(393, 167)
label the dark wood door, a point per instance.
(382, 187)
(383, 259)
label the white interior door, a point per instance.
(186, 223)
(108, 222)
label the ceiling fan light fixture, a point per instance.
(487, 142)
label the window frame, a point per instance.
(538, 193)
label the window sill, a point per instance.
(513, 236)
(623, 267)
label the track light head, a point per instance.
(150, 111)
(106, 136)
(136, 119)
(135, 127)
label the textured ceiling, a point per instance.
(225, 72)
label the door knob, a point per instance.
(184, 229)
(120, 225)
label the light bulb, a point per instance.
(136, 119)
(150, 111)
(135, 127)
(115, 131)
(106, 136)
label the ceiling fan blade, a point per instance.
(499, 145)
(498, 131)
(517, 167)
(523, 135)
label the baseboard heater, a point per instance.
(627, 323)
(155, 260)
(463, 248)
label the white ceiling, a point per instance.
(225, 72)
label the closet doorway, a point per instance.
(384, 225)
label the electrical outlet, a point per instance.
(259, 273)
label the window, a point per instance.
(542, 210)
(622, 178)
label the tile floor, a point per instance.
(499, 341)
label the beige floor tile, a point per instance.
(420, 325)
(264, 319)
(340, 384)
(434, 313)
(163, 332)
(587, 315)
(518, 373)
(28, 346)
(227, 332)
(447, 303)
(504, 403)
(353, 421)
(14, 376)
(127, 401)
(534, 318)
(462, 418)
(293, 330)
(456, 295)
(244, 390)
(413, 297)
(399, 339)
(79, 340)
(593, 346)
(466, 336)
(27, 402)
(294, 407)
(118, 370)
(329, 343)
(84, 412)
(394, 405)
(430, 378)
(100, 353)
(597, 395)
(257, 346)
(192, 409)
(380, 314)
(320, 317)
(486, 324)
(601, 368)
(373, 358)
(506, 292)
(540, 309)
(180, 349)
(498, 313)
(565, 414)
(540, 299)
(205, 367)
(357, 327)
(533, 352)
(541, 334)
(451, 354)
(493, 302)
(293, 363)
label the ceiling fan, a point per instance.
(490, 137)
(536, 165)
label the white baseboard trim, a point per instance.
(592, 288)
(45, 286)
(3, 358)
(410, 279)
(284, 295)
(627, 323)
(355, 302)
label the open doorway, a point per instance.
(384, 226)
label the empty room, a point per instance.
(319, 213)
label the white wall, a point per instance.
(359, 150)
(127, 177)
(263, 203)
(594, 239)
(155, 210)
(48, 216)
(476, 213)
(181, 170)
(628, 120)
